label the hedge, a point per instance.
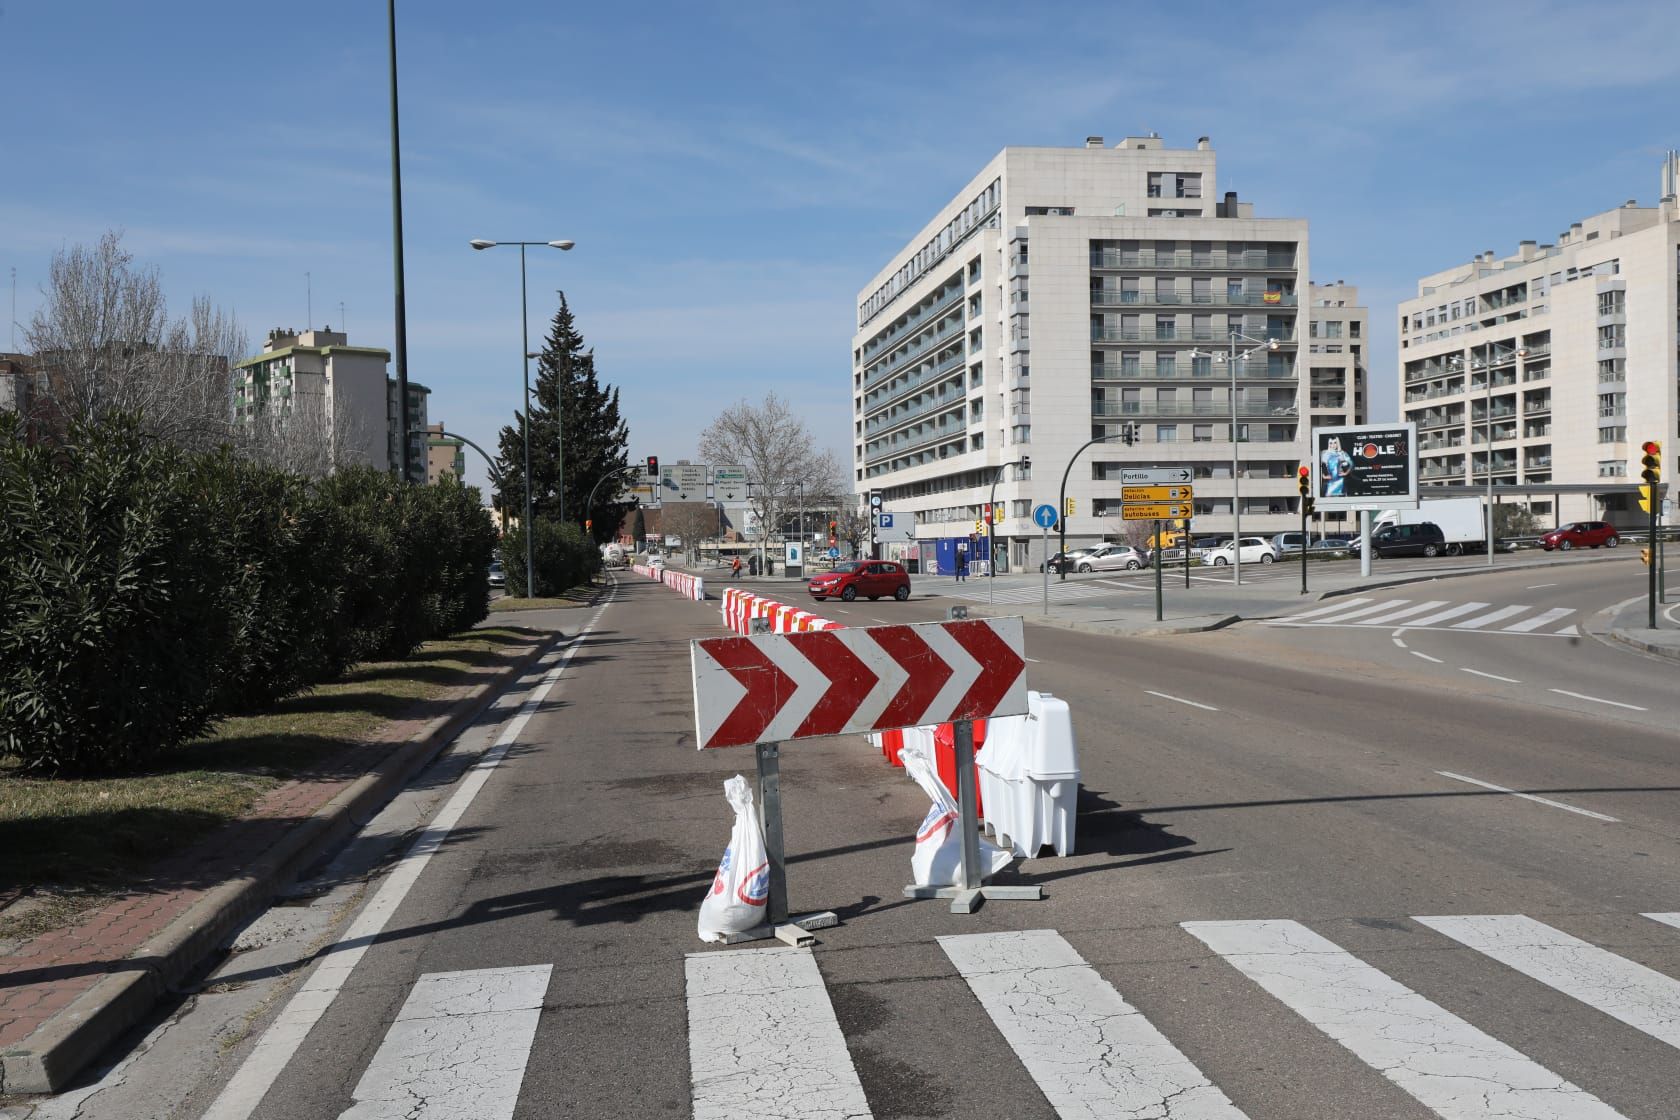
(564, 557)
(145, 591)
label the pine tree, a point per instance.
(591, 438)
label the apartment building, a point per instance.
(444, 454)
(17, 384)
(329, 397)
(1338, 331)
(414, 423)
(1062, 295)
(1552, 364)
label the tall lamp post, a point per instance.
(1236, 467)
(401, 300)
(524, 344)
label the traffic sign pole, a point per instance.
(1303, 547)
(1047, 569)
(1158, 571)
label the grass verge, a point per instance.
(69, 844)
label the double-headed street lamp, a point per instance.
(524, 345)
(1236, 478)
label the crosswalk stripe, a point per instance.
(763, 1040)
(1453, 1068)
(457, 1048)
(1665, 919)
(1091, 1053)
(1640, 997)
(1402, 613)
(1539, 620)
(1376, 608)
(1338, 605)
(1488, 619)
(1450, 612)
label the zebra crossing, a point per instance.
(1034, 593)
(1437, 614)
(765, 1043)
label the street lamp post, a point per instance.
(524, 344)
(1487, 418)
(1236, 466)
(1024, 463)
(400, 339)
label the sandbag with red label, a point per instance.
(937, 860)
(740, 890)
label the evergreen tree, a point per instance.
(590, 438)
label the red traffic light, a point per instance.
(1651, 447)
(1303, 471)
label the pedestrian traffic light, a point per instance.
(653, 466)
(1071, 507)
(1651, 462)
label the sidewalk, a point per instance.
(1628, 623)
(69, 993)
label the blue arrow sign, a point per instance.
(1044, 516)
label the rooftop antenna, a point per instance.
(14, 309)
(309, 302)
(342, 325)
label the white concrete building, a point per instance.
(1063, 294)
(327, 395)
(1563, 355)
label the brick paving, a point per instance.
(45, 975)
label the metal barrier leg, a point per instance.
(793, 930)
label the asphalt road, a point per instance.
(1287, 784)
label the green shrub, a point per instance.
(564, 557)
(111, 624)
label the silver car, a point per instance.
(1112, 557)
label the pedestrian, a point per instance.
(962, 564)
(735, 567)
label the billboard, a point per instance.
(1365, 466)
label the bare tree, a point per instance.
(105, 343)
(694, 522)
(305, 437)
(778, 453)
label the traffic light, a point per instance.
(1303, 479)
(1129, 434)
(653, 467)
(1645, 557)
(1651, 462)
(1645, 497)
(1026, 464)
(1071, 508)
(588, 524)
(833, 527)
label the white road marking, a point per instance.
(1487, 619)
(1665, 919)
(457, 1048)
(1337, 606)
(244, 1091)
(1426, 657)
(1450, 1066)
(1181, 700)
(1567, 632)
(1383, 619)
(1398, 642)
(1489, 676)
(1540, 620)
(763, 1040)
(1538, 586)
(1597, 699)
(1092, 1054)
(1034, 660)
(1527, 796)
(1450, 612)
(881, 621)
(1641, 997)
(1375, 608)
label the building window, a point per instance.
(1612, 468)
(1610, 337)
(1610, 303)
(1612, 435)
(1204, 433)
(1166, 433)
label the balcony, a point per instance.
(909, 441)
(884, 395)
(933, 404)
(1155, 334)
(913, 321)
(1213, 371)
(1208, 410)
(1218, 259)
(1116, 297)
(938, 340)
(1428, 421)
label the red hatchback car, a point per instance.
(1581, 534)
(872, 579)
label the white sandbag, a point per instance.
(937, 860)
(741, 887)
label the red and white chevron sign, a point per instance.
(775, 687)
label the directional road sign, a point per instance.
(1156, 493)
(1159, 511)
(1044, 516)
(729, 484)
(773, 687)
(1154, 476)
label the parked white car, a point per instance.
(1111, 557)
(1255, 550)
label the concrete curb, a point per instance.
(47, 1060)
(1669, 652)
(1116, 627)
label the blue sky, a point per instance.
(733, 173)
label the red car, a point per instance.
(1581, 534)
(873, 579)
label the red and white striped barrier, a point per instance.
(740, 607)
(691, 587)
(644, 570)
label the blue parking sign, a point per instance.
(886, 521)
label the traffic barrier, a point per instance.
(644, 570)
(692, 587)
(1029, 777)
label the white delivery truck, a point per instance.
(1461, 520)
